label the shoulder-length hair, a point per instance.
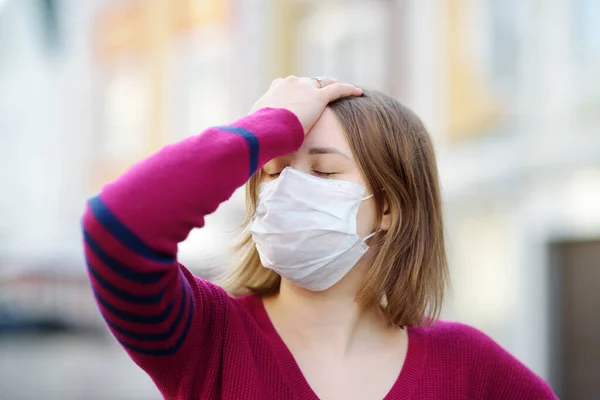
(409, 273)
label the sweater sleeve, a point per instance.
(155, 308)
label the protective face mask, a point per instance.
(305, 228)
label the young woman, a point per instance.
(342, 269)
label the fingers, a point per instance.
(328, 81)
(321, 82)
(330, 88)
(337, 90)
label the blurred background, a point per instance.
(510, 90)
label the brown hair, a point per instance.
(394, 151)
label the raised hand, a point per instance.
(305, 97)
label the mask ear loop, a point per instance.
(369, 236)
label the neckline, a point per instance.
(403, 387)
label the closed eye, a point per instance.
(322, 174)
(274, 175)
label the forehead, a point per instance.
(327, 132)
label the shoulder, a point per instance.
(499, 373)
(452, 331)
(455, 337)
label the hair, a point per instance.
(409, 273)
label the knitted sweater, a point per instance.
(194, 340)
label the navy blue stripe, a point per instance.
(252, 141)
(123, 295)
(135, 318)
(120, 269)
(169, 351)
(160, 336)
(117, 229)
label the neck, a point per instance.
(329, 319)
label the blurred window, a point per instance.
(585, 47)
(483, 49)
(504, 43)
(586, 30)
(209, 97)
(126, 111)
(346, 41)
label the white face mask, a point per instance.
(305, 228)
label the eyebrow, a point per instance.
(326, 150)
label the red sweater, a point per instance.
(194, 340)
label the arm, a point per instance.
(151, 304)
(170, 322)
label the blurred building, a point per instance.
(520, 162)
(510, 90)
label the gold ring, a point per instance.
(319, 81)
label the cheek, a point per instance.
(365, 220)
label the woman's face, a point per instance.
(326, 154)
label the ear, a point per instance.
(386, 219)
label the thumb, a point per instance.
(338, 90)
